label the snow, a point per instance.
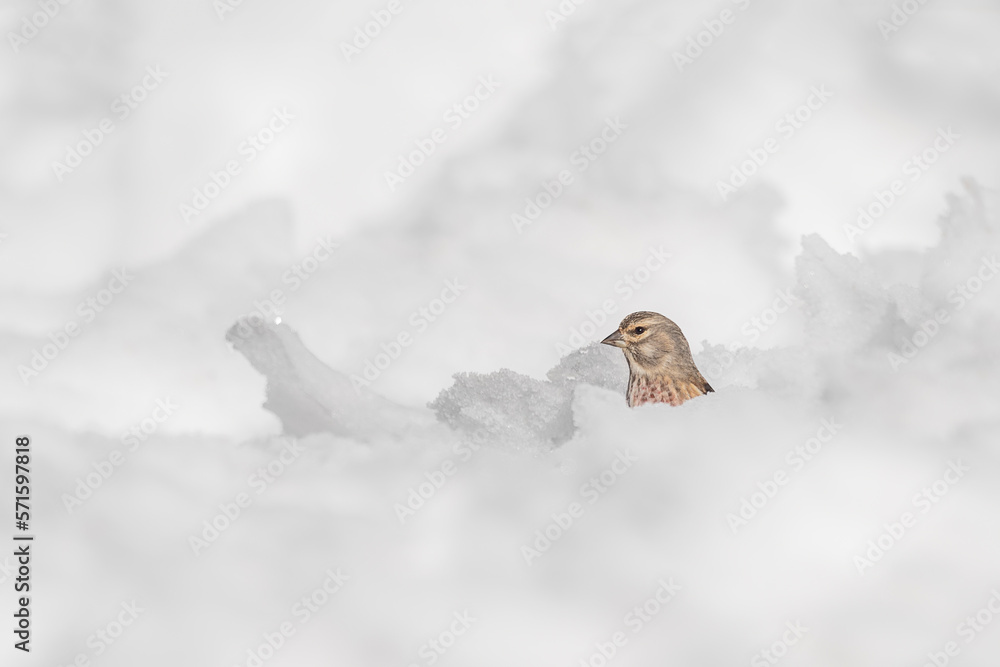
(511, 454)
(864, 413)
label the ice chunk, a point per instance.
(307, 395)
(508, 408)
(522, 412)
(595, 364)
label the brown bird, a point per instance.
(660, 367)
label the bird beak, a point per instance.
(614, 339)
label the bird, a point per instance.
(660, 366)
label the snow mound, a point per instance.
(521, 412)
(777, 499)
(308, 396)
(861, 327)
(503, 408)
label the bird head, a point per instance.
(652, 344)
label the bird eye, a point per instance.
(638, 330)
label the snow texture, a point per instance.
(525, 449)
(521, 492)
(432, 512)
